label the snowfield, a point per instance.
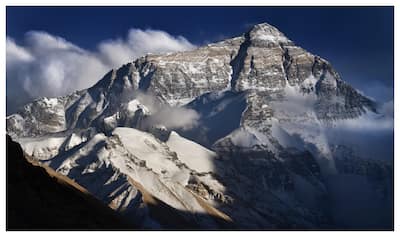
(195, 156)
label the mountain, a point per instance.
(235, 134)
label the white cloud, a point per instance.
(163, 115)
(16, 53)
(173, 118)
(41, 42)
(140, 42)
(48, 65)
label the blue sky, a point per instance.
(357, 41)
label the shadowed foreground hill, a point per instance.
(39, 198)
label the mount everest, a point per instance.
(243, 133)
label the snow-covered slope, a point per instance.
(106, 166)
(246, 128)
(195, 156)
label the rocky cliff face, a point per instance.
(258, 102)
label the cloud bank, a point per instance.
(48, 65)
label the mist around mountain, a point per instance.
(252, 132)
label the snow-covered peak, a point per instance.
(267, 32)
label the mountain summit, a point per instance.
(267, 33)
(232, 134)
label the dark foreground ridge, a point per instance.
(38, 199)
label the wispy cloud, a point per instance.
(140, 42)
(370, 135)
(163, 115)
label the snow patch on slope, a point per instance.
(195, 156)
(149, 149)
